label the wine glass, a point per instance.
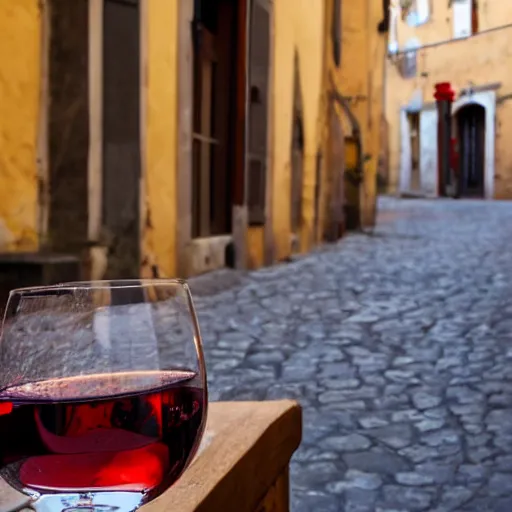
(103, 395)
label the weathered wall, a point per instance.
(159, 136)
(491, 14)
(20, 29)
(482, 59)
(361, 78)
(298, 27)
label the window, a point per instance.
(474, 16)
(383, 26)
(416, 12)
(409, 62)
(462, 16)
(336, 31)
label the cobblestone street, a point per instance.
(397, 345)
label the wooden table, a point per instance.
(242, 464)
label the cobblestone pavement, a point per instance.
(397, 345)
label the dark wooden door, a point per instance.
(352, 183)
(259, 69)
(318, 192)
(68, 126)
(205, 144)
(121, 136)
(297, 155)
(297, 175)
(335, 215)
(471, 127)
(213, 162)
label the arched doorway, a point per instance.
(470, 130)
(297, 162)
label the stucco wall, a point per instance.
(159, 135)
(491, 14)
(482, 59)
(298, 27)
(20, 29)
(361, 79)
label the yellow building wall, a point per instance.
(481, 59)
(491, 14)
(20, 66)
(255, 247)
(361, 79)
(159, 148)
(298, 27)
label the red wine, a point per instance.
(117, 432)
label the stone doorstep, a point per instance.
(416, 195)
(206, 254)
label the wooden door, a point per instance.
(204, 141)
(297, 155)
(121, 136)
(318, 191)
(352, 183)
(214, 111)
(335, 215)
(259, 69)
(68, 126)
(471, 129)
(414, 133)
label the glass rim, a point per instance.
(103, 284)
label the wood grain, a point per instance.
(278, 496)
(250, 447)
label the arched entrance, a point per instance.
(470, 128)
(297, 162)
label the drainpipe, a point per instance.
(444, 96)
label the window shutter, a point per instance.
(462, 18)
(259, 67)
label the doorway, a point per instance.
(335, 203)
(471, 150)
(413, 119)
(121, 136)
(68, 126)
(257, 125)
(297, 162)
(215, 95)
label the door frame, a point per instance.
(186, 245)
(428, 150)
(405, 152)
(486, 99)
(459, 120)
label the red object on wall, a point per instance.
(444, 92)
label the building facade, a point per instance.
(465, 43)
(158, 138)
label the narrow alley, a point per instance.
(397, 345)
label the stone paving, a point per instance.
(397, 343)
